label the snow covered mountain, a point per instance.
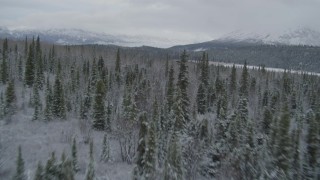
(78, 36)
(300, 36)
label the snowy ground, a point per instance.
(39, 139)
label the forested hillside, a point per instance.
(139, 113)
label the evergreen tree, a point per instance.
(39, 78)
(174, 166)
(90, 174)
(267, 120)
(20, 171)
(58, 106)
(86, 105)
(65, 168)
(94, 74)
(118, 67)
(39, 175)
(108, 118)
(182, 84)
(312, 147)
(204, 76)
(283, 143)
(29, 71)
(170, 89)
(2, 106)
(150, 155)
(51, 169)
(105, 154)
(201, 99)
(244, 81)
(10, 99)
(99, 107)
(36, 103)
(180, 121)
(4, 66)
(49, 103)
(138, 172)
(233, 79)
(74, 154)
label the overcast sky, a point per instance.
(192, 20)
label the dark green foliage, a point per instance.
(10, 102)
(49, 103)
(39, 175)
(141, 150)
(105, 154)
(182, 84)
(30, 66)
(51, 169)
(39, 76)
(4, 65)
(36, 103)
(58, 106)
(118, 67)
(233, 80)
(267, 120)
(170, 89)
(244, 81)
(99, 107)
(90, 174)
(86, 104)
(20, 170)
(65, 170)
(283, 154)
(150, 154)
(201, 99)
(174, 166)
(312, 146)
(74, 154)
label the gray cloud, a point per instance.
(191, 20)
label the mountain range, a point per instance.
(300, 36)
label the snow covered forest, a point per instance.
(108, 112)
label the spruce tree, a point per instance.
(74, 154)
(182, 84)
(20, 170)
(48, 112)
(36, 103)
(99, 107)
(283, 144)
(58, 106)
(10, 99)
(86, 105)
(90, 174)
(51, 169)
(39, 76)
(4, 66)
(39, 175)
(201, 99)
(65, 169)
(170, 89)
(174, 166)
(311, 154)
(29, 68)
(233, 79)
(138, 172)
(118, 67)
(105, 154)
(150, 155)
(108, 118)
(244, 81)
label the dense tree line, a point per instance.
(172, 119)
